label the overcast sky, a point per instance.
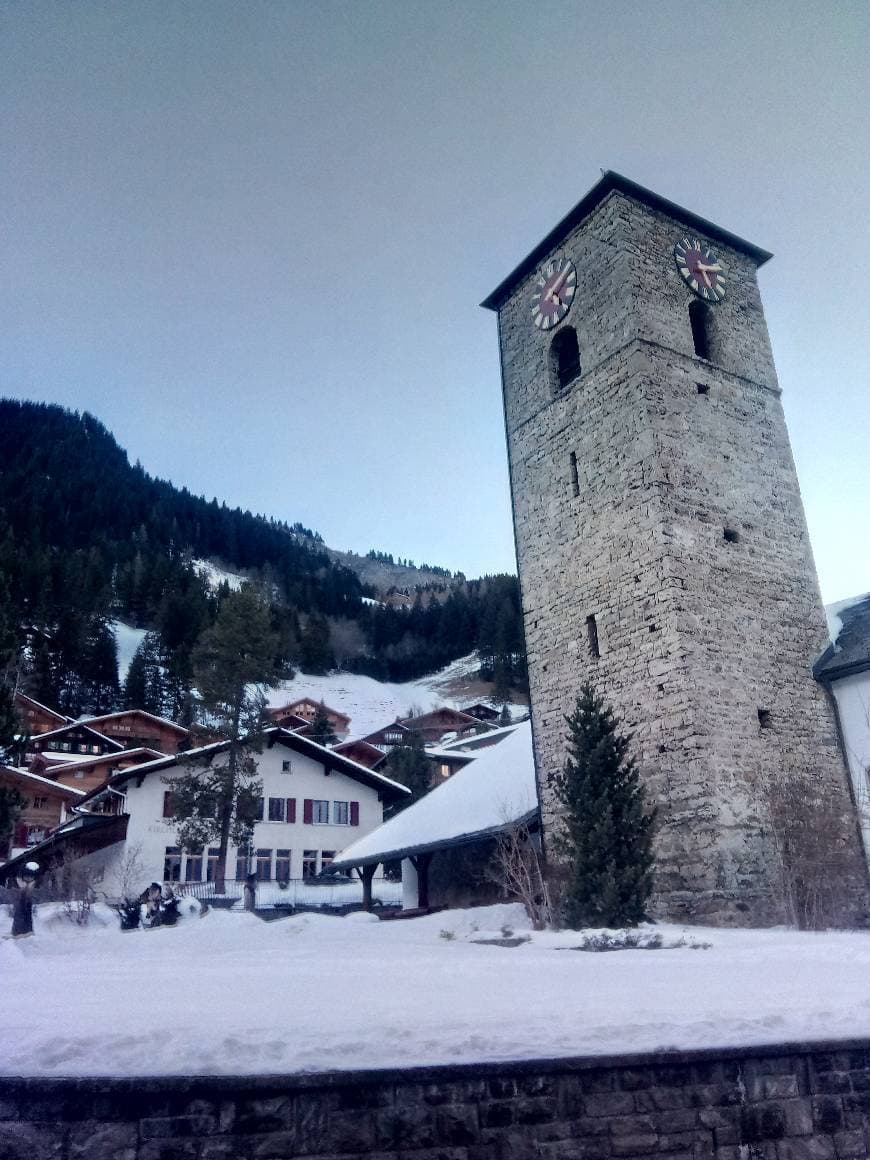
(252, 238)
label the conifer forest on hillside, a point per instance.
(86, 539)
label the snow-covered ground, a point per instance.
(371, 704)
(231, 994)
(127, 640)
(215, 576)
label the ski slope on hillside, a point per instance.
(370, 704)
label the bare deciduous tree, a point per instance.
(812, 870)
(516, 866)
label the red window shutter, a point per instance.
(354, 813)
(21, 834)
(307, 812)
(291, 809)
(167, 803)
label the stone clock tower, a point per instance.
(661, 540)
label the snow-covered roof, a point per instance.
(26, 775)
(849, 651)
(121, 713)
(834, 614)
(479, 740)
(78, 761)
(496, 790)
(40, 737)
(329, 757)
(43, 708)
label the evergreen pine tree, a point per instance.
(504, 717)
(321, 729)
(607, 829)
(234, 661)
(144, 686)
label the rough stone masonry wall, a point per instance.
(803, 1102)
(696, 634)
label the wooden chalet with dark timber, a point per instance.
(287, 720)
(362, 752)
(433, 727)
(307, 709)
(389, 737)
(46, 805)
(89, 773)
(36, 718)
(482, 712)
(76, 739)
(136, 729)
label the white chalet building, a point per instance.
(314, 803)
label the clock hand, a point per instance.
(703, 269)
(552, 295)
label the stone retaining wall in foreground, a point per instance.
(792, 1102)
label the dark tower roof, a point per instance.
(609, 182)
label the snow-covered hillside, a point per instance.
(127, 640)
(371, 704)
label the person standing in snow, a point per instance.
(22, 912)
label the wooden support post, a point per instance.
(367, 873)
(421, 865)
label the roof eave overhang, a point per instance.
(614, 182)
(431, 847)
(828, 673)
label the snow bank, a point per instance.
(239, 996)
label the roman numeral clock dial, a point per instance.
(554, 291)
(700, 269)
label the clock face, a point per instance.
(700, 269)
(554, 291)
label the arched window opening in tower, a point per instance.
(700, 319)
(564, 357)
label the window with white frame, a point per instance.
(286, 767)
(282, 865)
(309, 863)
(277, 807)
(193, 867)
(264, 865)
(320, 812)
(327, 857)
(39, 803)
(341, 813)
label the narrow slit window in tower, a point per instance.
(764, 718)
(730, 536)
(592, 636)
(700, 318)
(564, 357)
(575, 479)
(703, 388)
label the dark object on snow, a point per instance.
(129, 912)
(169, 910)
(22, 910)
(151, 899)
(250, 891)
